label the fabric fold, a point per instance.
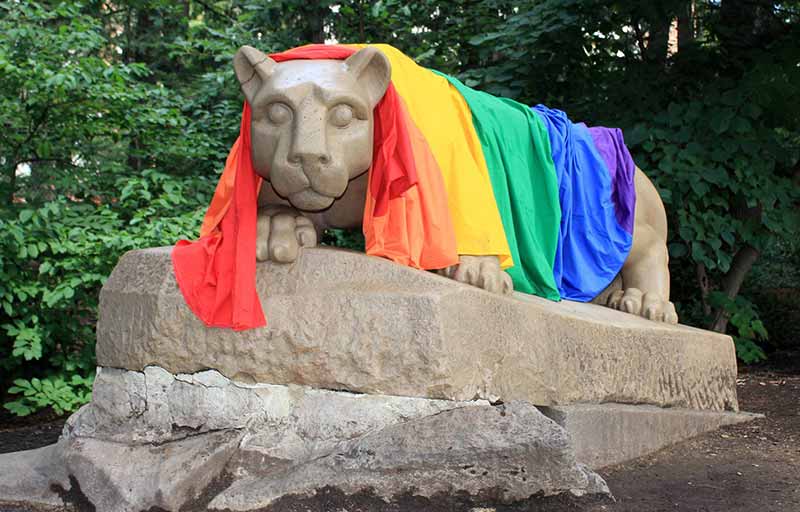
(592, 244)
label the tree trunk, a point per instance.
(686, 25)
(315, 17)
(658, 42)
(732, 282)
(12, 183)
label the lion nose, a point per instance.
(309, 147)
(308, 158)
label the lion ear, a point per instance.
(372, 70)
(252, 69)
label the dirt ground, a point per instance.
(750, 467)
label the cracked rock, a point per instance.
(508, 452)
(152, 439)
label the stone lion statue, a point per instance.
(312, 142)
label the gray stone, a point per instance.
(607, 434)
(118, 477)
(25, 477)
(511, 452)
(153, 439)
(169, 408)
(341, 320)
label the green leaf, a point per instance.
(678, 250)
(18, 408)
(721, 120)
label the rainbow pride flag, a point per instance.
(455, 171)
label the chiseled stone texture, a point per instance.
(346, 321)
(510, 451)
(607, 434)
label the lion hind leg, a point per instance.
(645, 285)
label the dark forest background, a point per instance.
(117, 117)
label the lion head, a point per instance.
(311, 125)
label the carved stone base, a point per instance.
(371, 380)
(342, 320)
(153, 439)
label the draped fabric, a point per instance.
(454, 171)
(592, 244)
(517, 152)
(443, 118)
(216, 274)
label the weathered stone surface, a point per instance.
(119, 477)
(341, 320)
(510, 451)
(607, 434)
(25, 477)
(286, 422)
(153, 439)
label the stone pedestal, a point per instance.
(342, 320)
(370, 379)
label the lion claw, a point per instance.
(281, 233)
(645, 304)
(481, 271)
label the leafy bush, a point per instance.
(55, 258)
(121, 114)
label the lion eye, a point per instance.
(279, 113)
(341, 115)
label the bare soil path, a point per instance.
(749, 467)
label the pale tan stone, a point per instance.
(342, 320)
(608, 434)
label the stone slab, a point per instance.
(119, 477)
(509, 452)
(282, 421)
(608, 434)
(175, 442)
(25, 478)
(345, 321)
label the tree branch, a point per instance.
(705, 287)
(732, 282)
(215, 12)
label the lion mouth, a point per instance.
(309, 200)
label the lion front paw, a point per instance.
(281, 233)
(481, 271)
(646, 304)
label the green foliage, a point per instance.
(55, 392)
(346, 239)
(56, 258)
(117, 118)
(749, 329)
(116, 161)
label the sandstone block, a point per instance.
(607, 434)
(346, 321)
